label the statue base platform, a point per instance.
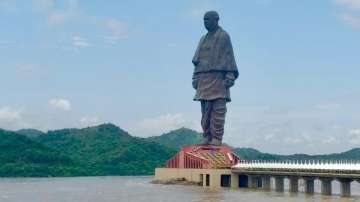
(203, 157)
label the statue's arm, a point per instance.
(230, 58)
(229, 79)
(195, 80)
(195, 62)
(195, 59)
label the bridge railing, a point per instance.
(340, 166)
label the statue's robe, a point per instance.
(215, 62)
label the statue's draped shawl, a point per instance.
(222, 55)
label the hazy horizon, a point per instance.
(166, 132)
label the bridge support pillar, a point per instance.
(309, 185)
(266, 183)
(345, 187)
(326, 186)
(294, 184)
(279, 183)
(253, 181)
(234, 180)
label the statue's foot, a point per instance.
(206, 140)
(215, 142)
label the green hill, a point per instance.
(177, 138)
(108, 150)
(253, 154)
(21, 156)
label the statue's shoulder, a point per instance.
(223, 33)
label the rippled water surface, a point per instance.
(134, 189)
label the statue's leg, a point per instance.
(206, 108)
(217, 121)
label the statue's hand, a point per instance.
(229, 83)
(195, 83)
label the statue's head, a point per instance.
(211, 20)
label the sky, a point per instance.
(77, 63)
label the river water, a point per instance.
(138, 189)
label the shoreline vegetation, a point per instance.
(107, 150)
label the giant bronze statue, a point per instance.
(214, 73)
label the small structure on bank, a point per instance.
(207, 165)
(203, 157)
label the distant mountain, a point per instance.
(108, 150)
(21, 156)
(253, 154)
(177, 138)
(31, 133)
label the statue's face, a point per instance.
(211, 21)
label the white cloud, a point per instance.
(44, 4)
(117, 31)
(263, 2)
(73, 3)
(59, 103)
(164, 123)
(27, 70)
(78, 38)
(354, 136)
(328, 106)
(198, 9)
(352, 14)
(269, 136)
(59, 17)
(8, 114)
(293, 140)
(33, 71)
(11, 118)
(329, 140)
(355, 132)
(6, 43)
(118, 28)
(351, 20)
(71, 13)
(80, 42)
(8, 6)
(56, 16)
(312, 128)
(89, 121)
(111, 40)
(303, 138)
(353, 4)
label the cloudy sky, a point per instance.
(76, 63)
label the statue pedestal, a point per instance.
(205, 165)
(203, 157)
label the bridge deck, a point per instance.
(345, 169)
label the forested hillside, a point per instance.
(108, 150)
